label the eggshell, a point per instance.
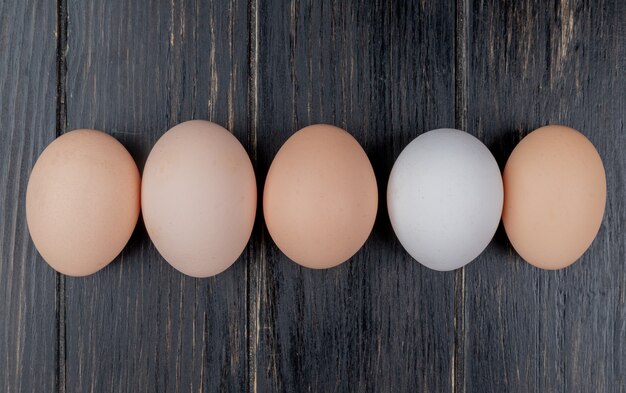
(555, 194)
(199, 198)
(445, 198)
(82, 201)
(320, 197)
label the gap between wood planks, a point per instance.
(60, 126)
(253, 284)
(461, 43)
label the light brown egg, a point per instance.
(82, 201)
(554, 196)
(320, 197)
(199, 198)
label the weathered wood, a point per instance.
(531, 64)
(386, 72)
(28, 322)
(134, 70)
(379, 322)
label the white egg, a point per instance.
(445, 198)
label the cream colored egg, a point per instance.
(199, 198)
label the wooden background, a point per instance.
(386, 70)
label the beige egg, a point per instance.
(82, 201)
(554, 196)
(320, 198)
(199, 198)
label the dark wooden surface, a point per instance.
(527, 329)
(384, 70)
(28, 297)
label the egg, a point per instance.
(444, 198)
(555, 194)
(82, 201)
(320, 197)
(199, 198)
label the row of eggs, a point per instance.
(198, 197)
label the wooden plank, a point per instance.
(531, 64)
(134, 70)
(28, 320)
(380, 322)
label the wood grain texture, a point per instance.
(386, 71)
(532, 64)
(28, 322)
(379, 322)
(135, 69)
